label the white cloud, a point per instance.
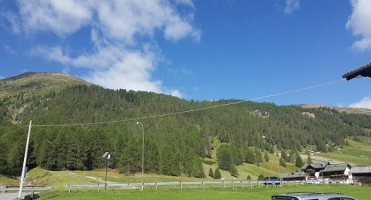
(359, 22)
(291, 6)
(121, 32)
(364, 103)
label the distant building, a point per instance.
(361, 175)
(294, 176)
(313, 170)
(337, 172)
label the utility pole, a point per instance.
(24, 161)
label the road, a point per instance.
(10, 196)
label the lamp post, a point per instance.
(142, 155)
(107, 156)
(266, 138)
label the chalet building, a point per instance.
(313, 170)
(337, 172)
(361, 175)
(294, 176)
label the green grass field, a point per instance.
(357, 152)
(361, 193)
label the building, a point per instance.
(338, 172)
(361, 175)
(294, 176)
(313, 170)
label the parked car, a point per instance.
(311, 196)
(272, 180)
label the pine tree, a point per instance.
(309, 160)
(211, 173)
(224, 155)
(291, 157)
(282, 162)
(258, 155)
(250, 157)
(266, 157)
(299, 161)
(217, 174)
(234, 171)
(284, 155)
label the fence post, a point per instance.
(233, 185)
(156, 185)
(2, 189)
(259, 184)
(98, 187)
(241, 184)
(250, 185)
(69, 188)
(223, 184)
(181, 185)
(203, 185)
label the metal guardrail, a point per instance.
(5, 189)
(202, 184)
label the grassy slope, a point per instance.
(59, 179)
(357, 152)
(8, 181)
(362, 193)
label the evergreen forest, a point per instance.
(74, 126)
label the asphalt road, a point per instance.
(10, 196)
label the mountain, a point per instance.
(32, 83)
(74, 123)
(16, 91)
(340, 109)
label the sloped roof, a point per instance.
(304, 167)
(364, 71)
(336, 167)
(293, 175)
(319, 165)
(361, 170)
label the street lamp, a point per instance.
(107, 156)
(266, 138)
(142, 155)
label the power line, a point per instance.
(14, 131)
(189, 111)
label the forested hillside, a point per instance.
(174, 144)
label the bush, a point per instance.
(248, 177)
(260, 177)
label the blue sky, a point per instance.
(201, 50)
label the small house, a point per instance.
(313, 170)
(361, 175)
(338, 172)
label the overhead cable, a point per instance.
(191, 110)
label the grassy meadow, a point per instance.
(358, 153)
(361, 193)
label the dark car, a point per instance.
(272, 180)
(311, 196)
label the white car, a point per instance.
(311, 196)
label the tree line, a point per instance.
(174, 145)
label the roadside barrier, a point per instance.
(202, 184)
